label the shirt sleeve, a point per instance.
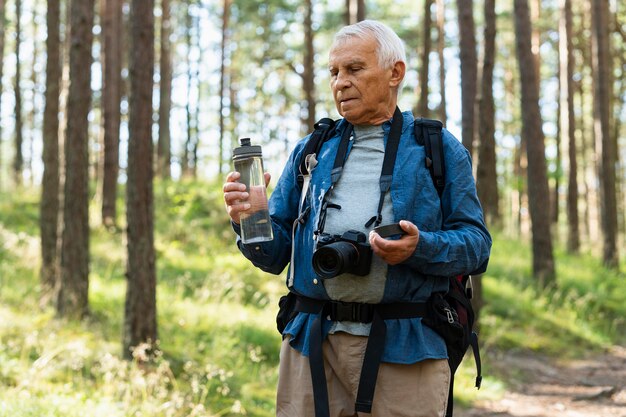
(463, 243)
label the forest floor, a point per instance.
(546, 387)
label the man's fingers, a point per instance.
(408, 227)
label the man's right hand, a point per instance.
(235, 195)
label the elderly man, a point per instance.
(325, 350)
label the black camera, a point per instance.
(339, 254)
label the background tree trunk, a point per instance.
(422, 102)
(442, 112)
(164, 153)
(605, 149)
(140, 324)
(111, 97)
(74, 284)
(469, 70)
(308, 75)
(2, 29)
(49, 205)
(538, 192)
(568, 121)
(223, 74)
(487, 177)
(355, 11)
(18, 160)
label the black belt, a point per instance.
(356, 312)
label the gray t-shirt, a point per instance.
(358, 193)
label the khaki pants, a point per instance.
(416, 390)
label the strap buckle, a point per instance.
(357, 312)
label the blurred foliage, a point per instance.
(219, 348)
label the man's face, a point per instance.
(364, 92)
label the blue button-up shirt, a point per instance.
(453, 239)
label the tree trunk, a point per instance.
(487, 177)
(538, 192)
(308, 76)
(2, 29)
(568, 121)
(140, 324)
(74, 288)
(111, 97)
(422, 102)
(164, 153)
(355, 11)
(469, 70)
(605, 146)
(49, 205)
(18, 161)
(223, 74)
(442, 67)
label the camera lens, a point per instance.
(334, 259)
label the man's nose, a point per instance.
(342, 81)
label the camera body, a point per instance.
(349, 252)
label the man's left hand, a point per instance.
(396, 251)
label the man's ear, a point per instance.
(397, 74)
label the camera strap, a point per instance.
(386, 175)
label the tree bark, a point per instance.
(568, 121)
(18, 160)
(487, 177)
(140, 324)
(442, 67)
(538, 192)
(50, 182)
(223, 74)
(111, 98)
(74, 284)
(308, 76)
(422, 102)
(164, 153)
(469, 71)
(2, 29)
(355, 11)
(605, 146)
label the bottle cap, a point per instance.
(246, 150)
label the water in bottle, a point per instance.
(255, 222)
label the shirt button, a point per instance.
(257, 248)
(315, 281)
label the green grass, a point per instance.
(218, 344)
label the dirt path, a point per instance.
(593, 387)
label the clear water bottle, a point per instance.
(255, 222)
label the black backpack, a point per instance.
(451, 315)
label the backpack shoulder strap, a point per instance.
(324, 129)
(428, 133)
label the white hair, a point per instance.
(390, 46)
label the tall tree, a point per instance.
(486, 174)
(18, 160)
(442, 112)
(223, 75)
(538, 192)
(568, 120)
(140, 323)
(111, 96)
(308, 75)
(164, 152)
(355, 11)
(469, 70)
(422, 102)
(2, 29)
(605, 145)
(74, 282)
(49, 205)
